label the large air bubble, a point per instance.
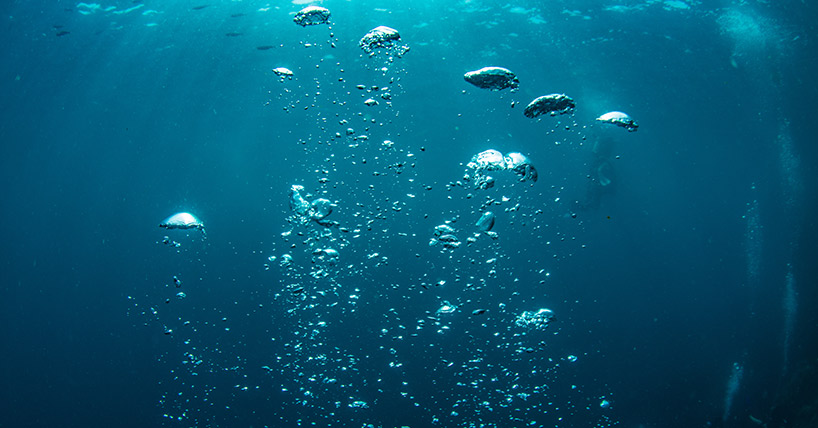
(312, 15)
(182, 221)
(493, 78)
(553, 104)
(492, 160)
(385, 38)
(619, 119)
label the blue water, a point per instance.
(696, 255)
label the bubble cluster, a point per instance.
(349, 303)
(536, 320)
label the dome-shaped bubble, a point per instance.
(493, 160)
(493, 78)
(489, 160)
(446, 308)
(283, 73)
(550, 104)
(619, 119)
(515, 160)
(379, 37)
(182, 221)
(521, 165)
(312, 15)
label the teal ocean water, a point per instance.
(379, 232)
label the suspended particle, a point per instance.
(446, 308)
(358, 404)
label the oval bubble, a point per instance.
(486, 221)
(550, 104)
(320, 208)
(493, 78)
(619, 119)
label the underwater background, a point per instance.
(658, 278)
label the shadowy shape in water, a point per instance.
(602, 176)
